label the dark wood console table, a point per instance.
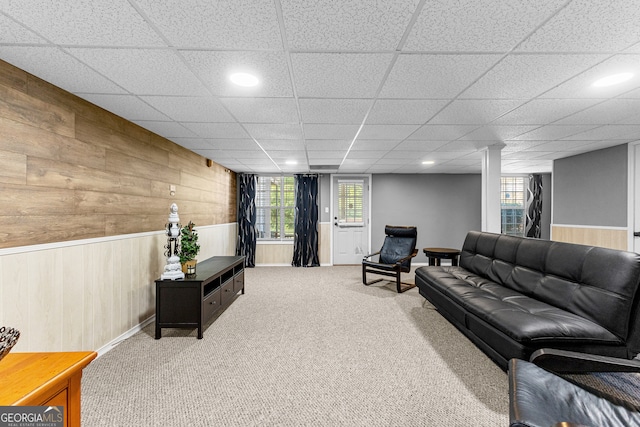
(190, 303)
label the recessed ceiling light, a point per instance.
(244, 79)
(428, 162)
(612, 80)
(291, 162)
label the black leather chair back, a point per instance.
(399, 243)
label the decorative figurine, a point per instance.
(173, 269)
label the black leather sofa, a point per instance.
(512, 296)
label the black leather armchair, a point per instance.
(564, 388)
(395, 256)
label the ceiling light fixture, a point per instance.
(613, 79)
(428, 162)
(244, 79)
(291, 162)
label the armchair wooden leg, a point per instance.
(403, 286)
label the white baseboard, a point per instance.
(110, 345)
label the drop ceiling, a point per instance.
(369, 86)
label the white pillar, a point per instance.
(491, 172)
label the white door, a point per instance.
(350, 219)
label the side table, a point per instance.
(437, 254)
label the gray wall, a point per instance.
(591, 188)
(443, 207)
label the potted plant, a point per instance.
(189, 248)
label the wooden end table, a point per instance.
(437, 254)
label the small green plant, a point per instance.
(189, 246)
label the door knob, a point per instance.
(636, 234)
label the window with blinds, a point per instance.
(350, 205)
(512, 204)
(275, 207)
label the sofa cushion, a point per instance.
(522, 318)
(587, 281)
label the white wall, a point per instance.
(87, 294)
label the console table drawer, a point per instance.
(227, 292)
(238, 282)
(211, 304)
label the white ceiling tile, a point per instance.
(368, 154)
(442, 132)
(326, 157)
(59, 68)
(543, 111)
(233, 144)
(588, 26)
(338, 75)
(474, 111)
(387, 131)
(561, 146)
(581, 86)
(406, 111)
(414, 145)
(369, 144)
(128, 106)
(477, 25)
(274, 131)
(345, 111)
(237, 24)
(263, 110)
(166, 129)
(608, 132)
(84, 22)
(282, 145)
(327, 131)
(346, 25)
(434, 76)
(190, 108)
(12, 33)
(552, 132)
(464, 146)
(322, 145)
(514, 146)
(143, 71)
(496, 132)
(611, 111)
(522, 76)
(214, 68)
(217, 130)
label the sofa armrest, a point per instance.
(562, 361)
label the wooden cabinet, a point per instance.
(44, 379)
(190, 303)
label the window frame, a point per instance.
(281, 207)
(504, 226)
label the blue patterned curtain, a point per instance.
(246, 244)
(534, 207)
(305, 241)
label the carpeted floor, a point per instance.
(302, 347)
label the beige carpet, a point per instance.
(302, 347)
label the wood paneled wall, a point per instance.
(593, 236)
(71, 170)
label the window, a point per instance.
(350, 202)
(275, 207)
(512, 203)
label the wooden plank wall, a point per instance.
(593, 236)
(71, 170)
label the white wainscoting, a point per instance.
(89, 294)
(275, 253)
